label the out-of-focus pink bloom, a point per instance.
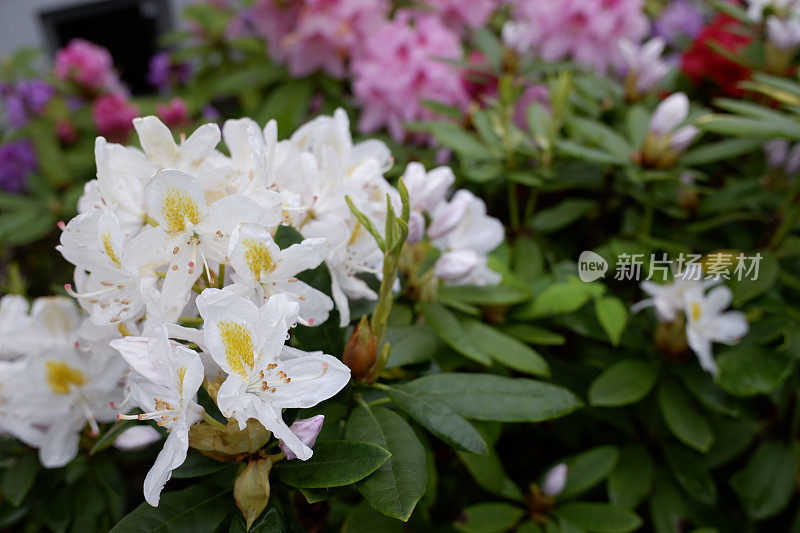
(306, 430)
(88, 65)
(586, 31)
(478, 79)
(458, 14)
(173, 113)
(113, 115)
(66, 133)
(137, 438)
(317, 34)
(402, 65)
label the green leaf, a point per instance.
(560, 298)
(484, 295)
(287, 104)
(199, 509)
(717, 151)
(18, 479)
(599, 517)
(766, 484)
(364, 519)
(750, 127)
(688, 470)
(497, 398)
(439, 418)
(398, 484)
(449, 329)
(685, 422)
(487, 471)
(603, 136)
(534, 334)
(197, 465)
(612, 315)
(589, 468)
(624, 383)
(747, 288)
(528, 262)
(632, 479)
(487, 42)
(461, 141)
(506, 350)
(562, 215)
(579, 151)
(334, 463)
(410, 344)
(494, 517)
(747, 370)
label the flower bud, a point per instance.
(456, 264)
(306, 430)
(555, 480)
(361, 352)
(416, 227)
(669, 113)
(682, 138)
(136, 438)
(446, 218)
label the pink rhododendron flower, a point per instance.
(460, 13)
(317, 34)
(173, 113)
(402, 65)
(113, 115)
(88, 65)
(586, 31)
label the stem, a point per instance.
(220, 276)
(191, 320)
(380, 315)
(213, 421)
(513, 207)
(381, 386)
(379, 402)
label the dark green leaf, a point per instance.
(497, 398)
(632, 479)
(18, 479)
(439, 418)
(766, 484)
(747, 370)
(449, 329)
(199, 509)
(599, 517)
(623, 383)
(685, 422)
(334, 463)
(398, 484)
(589, 468)
(494, 517)
(506, 350)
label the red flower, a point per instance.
(702, 62)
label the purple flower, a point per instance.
(680, 22)
(17, 160)
(164, 72)
(306, 430)
(25, 100)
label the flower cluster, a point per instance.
(395, 63)
(586, 31)
(178, 233)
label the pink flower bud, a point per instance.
(306, 430)
(670, 112)
(456, 265)
(555, 480)
(136, 438)
(446, 218)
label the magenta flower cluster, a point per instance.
(585, 31)
(395, 62)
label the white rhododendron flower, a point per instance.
(707, 322)
(179, 279)
(264, 375)
(168, 377)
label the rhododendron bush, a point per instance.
(363, 265)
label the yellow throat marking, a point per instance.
(258, 258)
(238, 342)
(696, 311)
(109, 249)
(61, 377)
(177, 209)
